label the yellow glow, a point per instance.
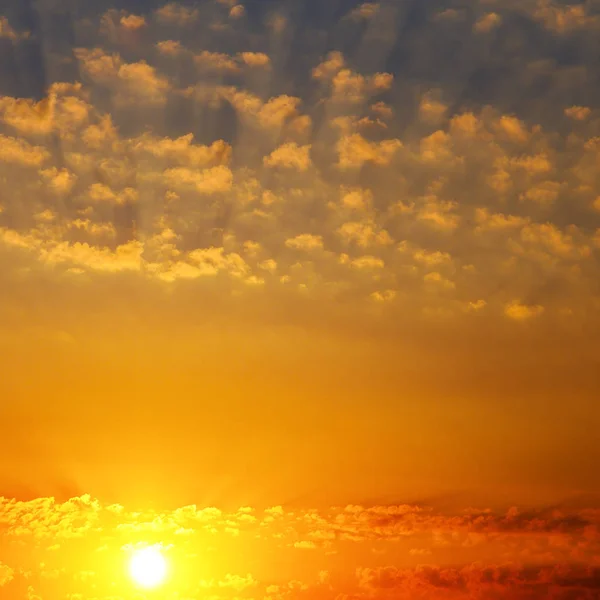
(148, 567)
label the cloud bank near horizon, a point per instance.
(81, 546)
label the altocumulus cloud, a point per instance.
(167, 142)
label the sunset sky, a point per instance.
(304, 294)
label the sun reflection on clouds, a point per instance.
(280, 553)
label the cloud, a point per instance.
(481, 581)
(237, 582)
(19, 152)
(28, 117)
(512, 128)
(522, 312)
(364, 234)
(305, 241)
(563, 19)
(183, 152)
(126, 257)
(305, 545)
(554, 240)
(169, 47)
(358, 199)
(551, 550)
(64, 110)
(7, 32)
(43, 518)
(384, 296)
(354, 151)
(487, 22)
(431, 109)
(271, 115)
(209, 181)
(6, 574)
(174, 13)
(237, 12)
(432, 258)
(180, 142)
(60, 182)
(544, 193)
(578, 113)
(439, 214)
(255, 59)
(290, 155)
(133, 22)
(497, 221)
(382, 110)
(216, 61)
(437, 279)
(332, 65)
(347, 86)
(366, 10)
(131, 83)
(122, 27)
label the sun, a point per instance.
(148, 567)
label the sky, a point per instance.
(305, 293)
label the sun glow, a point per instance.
(148, 567)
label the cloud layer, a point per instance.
(82, 545)
(193, 143)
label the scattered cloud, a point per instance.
(522, 312)
(487, 22)
(175, 13)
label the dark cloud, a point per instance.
(483, 582)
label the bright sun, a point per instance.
(148, 567)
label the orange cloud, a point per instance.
(289, 155)
(174, 13)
